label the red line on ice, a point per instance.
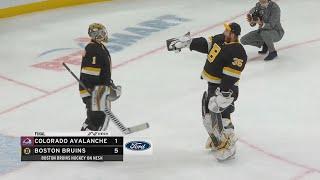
(302, 175)
(35, 99)
(277, 157)
(288, 47)
(24, 84)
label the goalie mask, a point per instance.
(98, 32)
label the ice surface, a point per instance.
(276, 115)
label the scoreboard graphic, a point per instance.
(71, 148)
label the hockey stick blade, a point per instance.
(137, 128)
(122, 127)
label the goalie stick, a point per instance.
(115, 120)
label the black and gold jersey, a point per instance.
(95, 67)
(225, 61)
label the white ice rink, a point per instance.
(276, 117)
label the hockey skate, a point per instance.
(227, 148)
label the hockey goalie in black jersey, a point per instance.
(226, 59)
(95, 74)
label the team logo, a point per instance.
(26, 141)
(26, 151)
(138, 145)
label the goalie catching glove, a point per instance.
(176, 44)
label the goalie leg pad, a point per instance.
(213, 126)
(99, 97)
(228, 150)
(227, 147)
(212, 122)
(214, 143)
(95, 109)
(94, 121)
(221, 132)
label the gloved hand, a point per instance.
(220, 101)
(115, 92)
(176, 44)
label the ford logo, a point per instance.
(138, 145)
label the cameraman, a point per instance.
(266, 14)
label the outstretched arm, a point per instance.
(200, 44)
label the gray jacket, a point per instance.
(271, 16)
